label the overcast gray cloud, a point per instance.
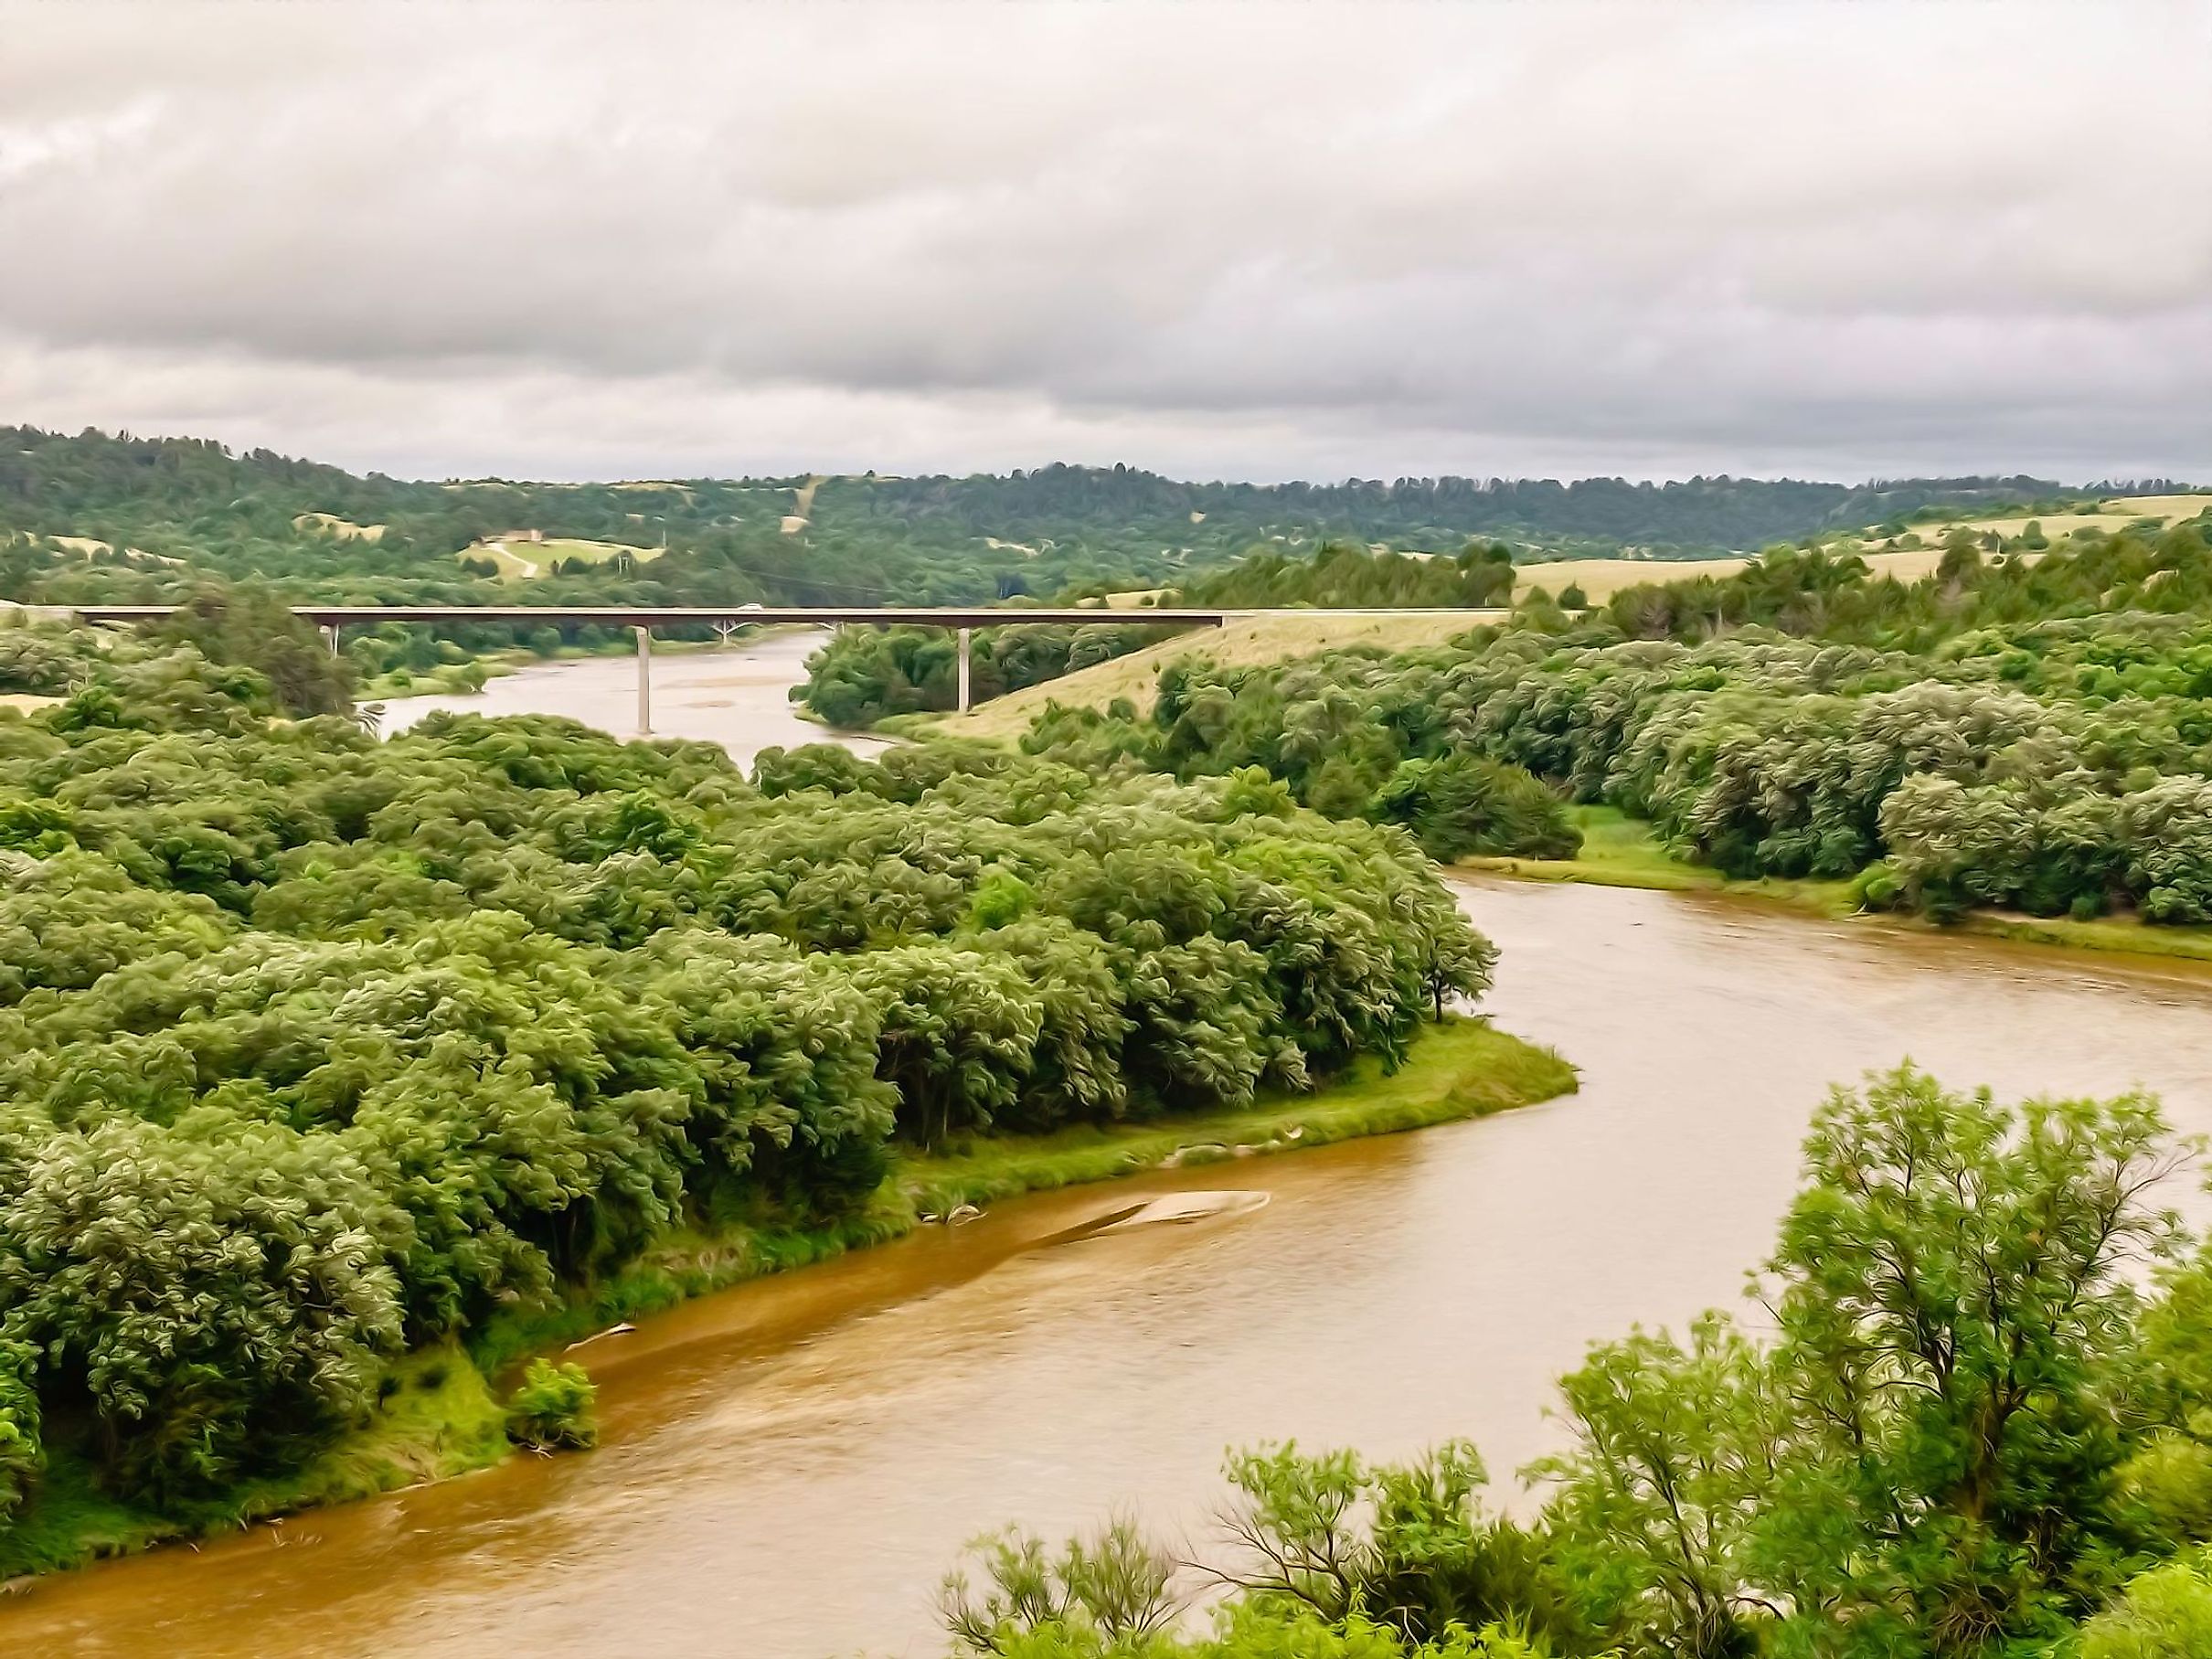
(1257, 241)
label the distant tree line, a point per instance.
(116, 518)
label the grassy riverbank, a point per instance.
(1462, 1068)
(439, 1414)
(1620, 851)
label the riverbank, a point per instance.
(439, 1414)
(1623, 852)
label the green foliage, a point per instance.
(1347, 575)
(1407, 1544)
(1929, 1457)
(1110, 1590)
(2031, 737)
(554, 1408)
(314, 1049)
(864, 674)
(2168, 1486)
(1970, 1429)
(1340, 754)
(1459, 805)
(2163, 1614)
(22, 1455)
(1247, 1633)
(252, 628)
(1328, 1555)
(1672, 1457)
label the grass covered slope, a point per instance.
(1601, 578)
(1244, 641)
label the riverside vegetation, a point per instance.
(2023, 728)
(342, 1077)
(1974, 1421)
(339, 1075)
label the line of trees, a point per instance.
(1349, 576)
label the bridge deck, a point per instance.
(646, 616)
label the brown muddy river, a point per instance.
(736, 697)
(790, 1466)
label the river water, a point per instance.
(736, 697)
(790, 1466)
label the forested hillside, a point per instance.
(316, 1049)
(94, 516)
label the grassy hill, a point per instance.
(521, 560)
(1244, 641)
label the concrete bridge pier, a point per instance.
(966, 638)
(330, 632)
(644, 681)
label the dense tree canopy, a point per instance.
(2025, 733)
(314, 1048)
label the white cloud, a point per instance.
(1257, 241)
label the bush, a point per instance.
(21, 1457)
(1462, 805)
(555, 1408)
(2164, 1615)
(2171, 1480)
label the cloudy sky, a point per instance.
(1223, 240)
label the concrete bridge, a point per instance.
(640, 619)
